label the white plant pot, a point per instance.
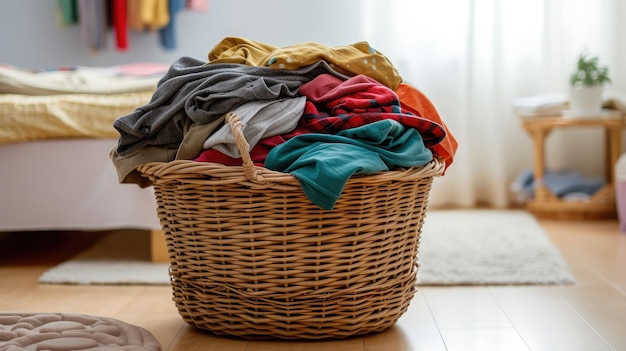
(586, 101)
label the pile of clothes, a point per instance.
(317, 112)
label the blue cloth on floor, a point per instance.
(560, 183)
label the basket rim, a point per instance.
(156, 171)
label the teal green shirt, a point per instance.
(323, 163)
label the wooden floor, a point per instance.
(587, 316)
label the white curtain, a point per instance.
(472, 57)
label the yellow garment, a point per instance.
(358, 58)
(154, 13)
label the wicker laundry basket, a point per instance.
(252, 256)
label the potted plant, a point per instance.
(587, 83)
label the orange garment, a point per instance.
(415, 101)
(133, 15)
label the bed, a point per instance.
(56, 135)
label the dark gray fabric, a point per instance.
(203, 92)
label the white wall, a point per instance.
(31, 36)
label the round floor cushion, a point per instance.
(71, 331)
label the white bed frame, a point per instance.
(71, 184)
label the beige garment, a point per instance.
(197, 134)
(126, 166)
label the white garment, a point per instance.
(259, 119)
(541, 105)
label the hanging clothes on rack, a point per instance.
(69, 12)
(167, 34)
(93, 23)
(96, 17)
(120, 22)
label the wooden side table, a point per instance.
(602, 203)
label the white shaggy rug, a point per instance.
(122, 257)
(458, 247)
(487, 247)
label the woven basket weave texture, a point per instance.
(252, 256)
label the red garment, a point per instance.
(334, 105)
(119, 24)
(326, 88)
(415, 101)
(258, 153)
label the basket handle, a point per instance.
(249, 169)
